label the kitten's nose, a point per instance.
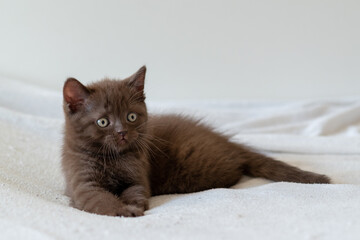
(122, 133)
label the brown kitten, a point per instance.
(115, 156)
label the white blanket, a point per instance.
(316, 135)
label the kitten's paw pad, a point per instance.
(130, 211)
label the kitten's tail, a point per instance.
(258, 165)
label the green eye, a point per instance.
(131, 117)
(102, 122)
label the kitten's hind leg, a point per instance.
(258, 165)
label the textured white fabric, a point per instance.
(321, 136)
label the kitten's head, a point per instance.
(109, 115)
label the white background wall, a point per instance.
(194, 49)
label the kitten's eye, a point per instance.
(102, 122)
(131, 117)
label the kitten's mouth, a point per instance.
(122, 141)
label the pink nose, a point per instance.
(122, 133)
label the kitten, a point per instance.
(115, 156)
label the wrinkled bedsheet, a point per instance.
(315, 135)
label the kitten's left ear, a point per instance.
(137, 80)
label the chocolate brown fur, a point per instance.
(114, 170)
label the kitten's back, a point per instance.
(188, 156)
(188, 152)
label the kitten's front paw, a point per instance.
(130, 211)
(112, 207)
(136, 196)
(121, 210)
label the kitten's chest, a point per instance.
(116, 175)
(113, 178)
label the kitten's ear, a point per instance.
(137, 80)
(74, 94)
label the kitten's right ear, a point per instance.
(74, 94)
